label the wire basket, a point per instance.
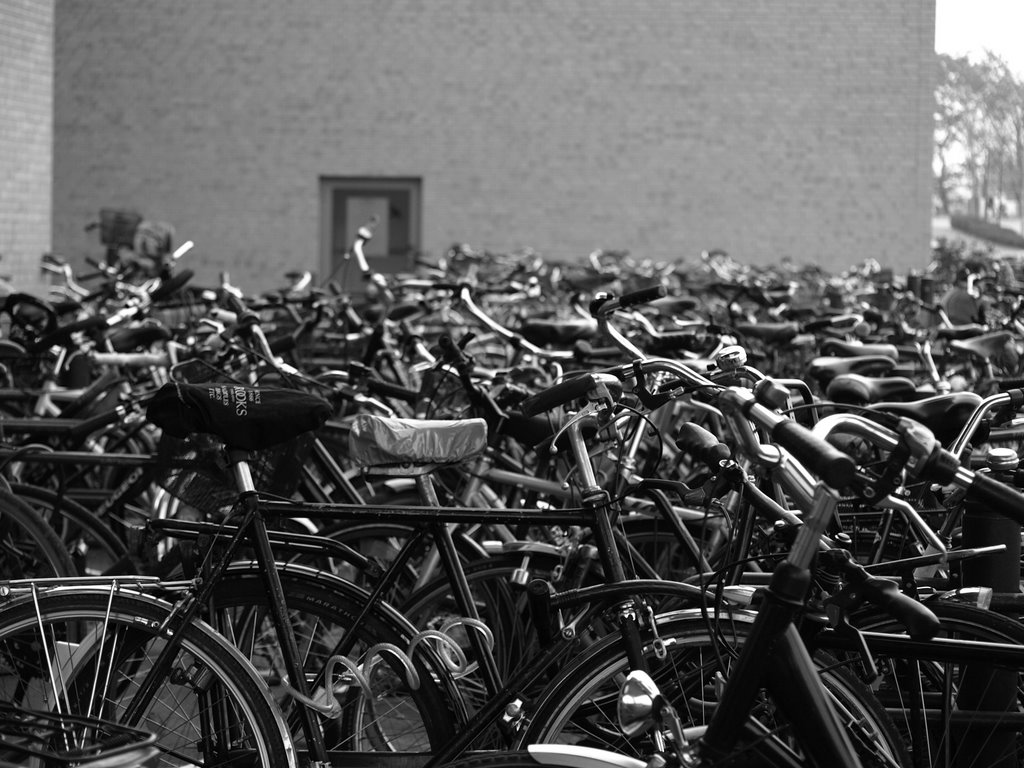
(195, 471)
(31, 737)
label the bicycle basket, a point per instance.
(31, 737)
(194, 470)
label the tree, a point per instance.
(979, 130)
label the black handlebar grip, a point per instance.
(702, 445)
(171, 285)
(920, 622)
(643, 296)
(233, 303)
(820, 457)
(675, 340)
(394, 391)
(560, 394)
(1016, 398)
(816, 325)
(584, 350)
(1002, 497)
(450, 350)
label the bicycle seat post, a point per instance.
(240, 470)
(254, 519)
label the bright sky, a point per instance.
(972, 26)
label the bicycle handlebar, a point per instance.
(702, 445)
(833, 466)
(604, 304)
(171, 285)
(930, 461)
(567, 391)
(995, 494)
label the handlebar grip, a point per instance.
(393, 391)
(702, 445)
(451, 351)
(643, 296)
(874, 316)
(171, 285)
(674, 340)
(234, 304)
(822, 458)
(559, 394)
(584, 350)
(812, 326)
(1016, 396)
(920, 622)
(1001, 497)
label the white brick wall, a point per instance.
(26, 136)
(791, 127)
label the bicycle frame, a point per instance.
(774, 653)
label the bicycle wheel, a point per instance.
(579, 707)
(933, 702)
(29, 547)
(500, 600)
(93, 546)
(389, 713)
(87, 650)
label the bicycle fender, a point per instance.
(571, 756)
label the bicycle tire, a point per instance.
(79, 631)
(323, 609)
(966, 622)
(501, 604)
(92, 545)
(580, 705)
(29, 547)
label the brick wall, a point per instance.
(790, 127)
(26, 136)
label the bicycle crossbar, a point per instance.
(417, 515)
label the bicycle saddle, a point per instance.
(769, 332)
(944, 415)
(839, 348)
(960, 332)
(852, 388)
(245, 418)
(379, 441)
(824, 369)
(128, 339)
(985, 346)
(676, 303)
(541, 332)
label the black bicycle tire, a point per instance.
(334, 602)
(683, 630)
(65, 515)
(139, 618)
(969, 622)
(48, 551)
